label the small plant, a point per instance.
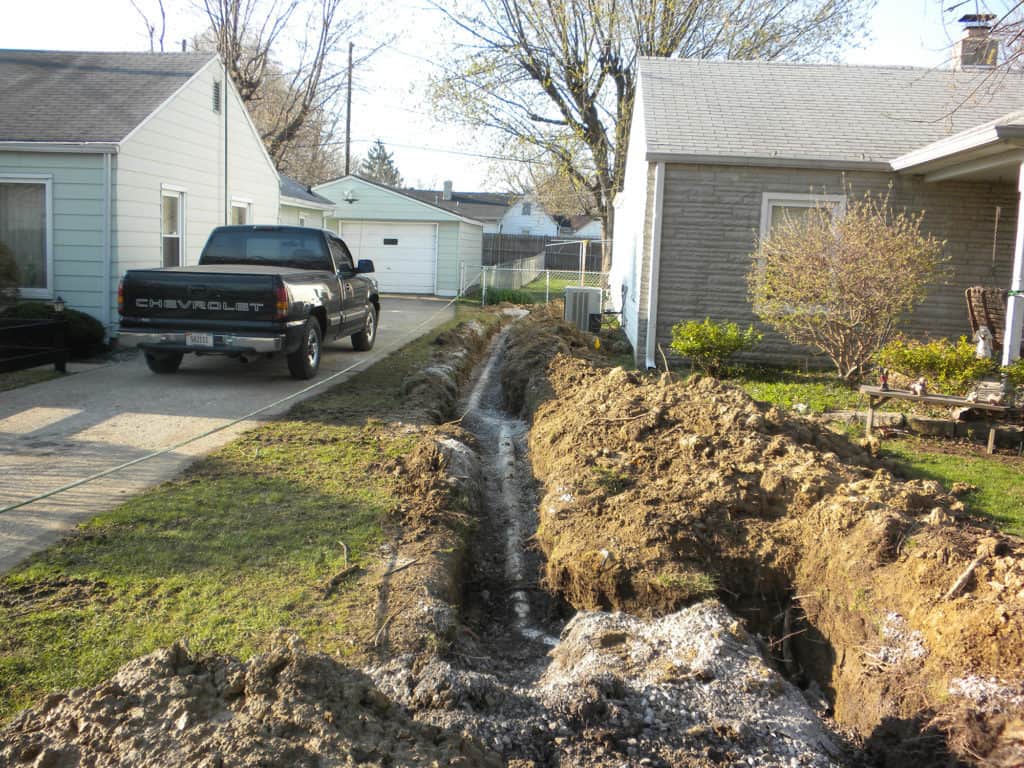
(952, 367)
(1014, 373)
(709, 344)
(690, 586)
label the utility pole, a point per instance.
(348, 115)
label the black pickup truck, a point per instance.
(257, 290)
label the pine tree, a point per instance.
(379, 166)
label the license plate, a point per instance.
(198, 339)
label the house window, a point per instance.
(241, 212)
(527, 209)
(777, 207)
(171, 226)
(26, 231)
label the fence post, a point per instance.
(547, 286)
(483, 286)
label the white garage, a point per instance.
(404, 254)
(416, 247)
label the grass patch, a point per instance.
(1000, 483)
(17, 379)
(820, 391)
(227, 556)
(690, 586)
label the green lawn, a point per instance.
(227, 556)
(999, 481)
(819, 391)
(16, 379)
(536, 292)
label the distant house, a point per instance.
(302, 207)
(417, 246)
(720, 149)
(499, 212)
(110, 161)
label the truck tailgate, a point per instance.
(173, 298)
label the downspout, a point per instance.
(655, 265)
(227, 94)
(108, 251)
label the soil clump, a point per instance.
(908, 613)
(286, 708)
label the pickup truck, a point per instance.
(257, 290)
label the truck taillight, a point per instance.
(282, 302)
(120, 296)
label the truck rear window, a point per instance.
(268, 248)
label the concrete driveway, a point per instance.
(60, 431)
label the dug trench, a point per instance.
(595, 567)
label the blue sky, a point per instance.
(390, 103)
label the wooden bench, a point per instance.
(877, 396)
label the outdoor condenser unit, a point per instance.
(580, 304)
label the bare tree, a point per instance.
(248, 33)
(151, 26)
(557, 75)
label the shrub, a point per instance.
(512, 296)
(1014, 372)
(84, 332)
(840, 283)
(950, 367)
(9, 278)
(709, 344)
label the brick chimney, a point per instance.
(977, 48)
(447, 190)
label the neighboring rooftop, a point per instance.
(67, 96)
(772, 111)
(296, 190)
(482, 206)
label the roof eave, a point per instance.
(298, 202)
(769, 162)
(76, 147)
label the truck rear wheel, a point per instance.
(363, 341)
(163, 362)
(305, 361)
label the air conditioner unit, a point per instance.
(580, 305)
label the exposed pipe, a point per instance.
(655, 266)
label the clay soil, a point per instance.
(658, 492)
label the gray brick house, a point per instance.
(718, 149)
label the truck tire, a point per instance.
(363, 341)
(163, 362)
(305, 361)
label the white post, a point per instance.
(1015, 302)
(462, 278)
(547, 286)
(483, 286)
(583, 259)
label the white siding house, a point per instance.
(416, 247)
(526, 216)
(302, 207)
(119, 161)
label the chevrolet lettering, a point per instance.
(257, 290)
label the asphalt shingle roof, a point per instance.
(296, 189)
(66, 96)
(480, 206)
(814, 112)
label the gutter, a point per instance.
(296, 202)
(655, 265)
(770, 162)
(75, 147)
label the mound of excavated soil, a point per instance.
(652, 486)
(286, 708)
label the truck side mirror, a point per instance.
(364, 266)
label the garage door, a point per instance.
(402, 253)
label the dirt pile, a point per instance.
(285, 708)
(659, 493)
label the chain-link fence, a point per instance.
(526, 284)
